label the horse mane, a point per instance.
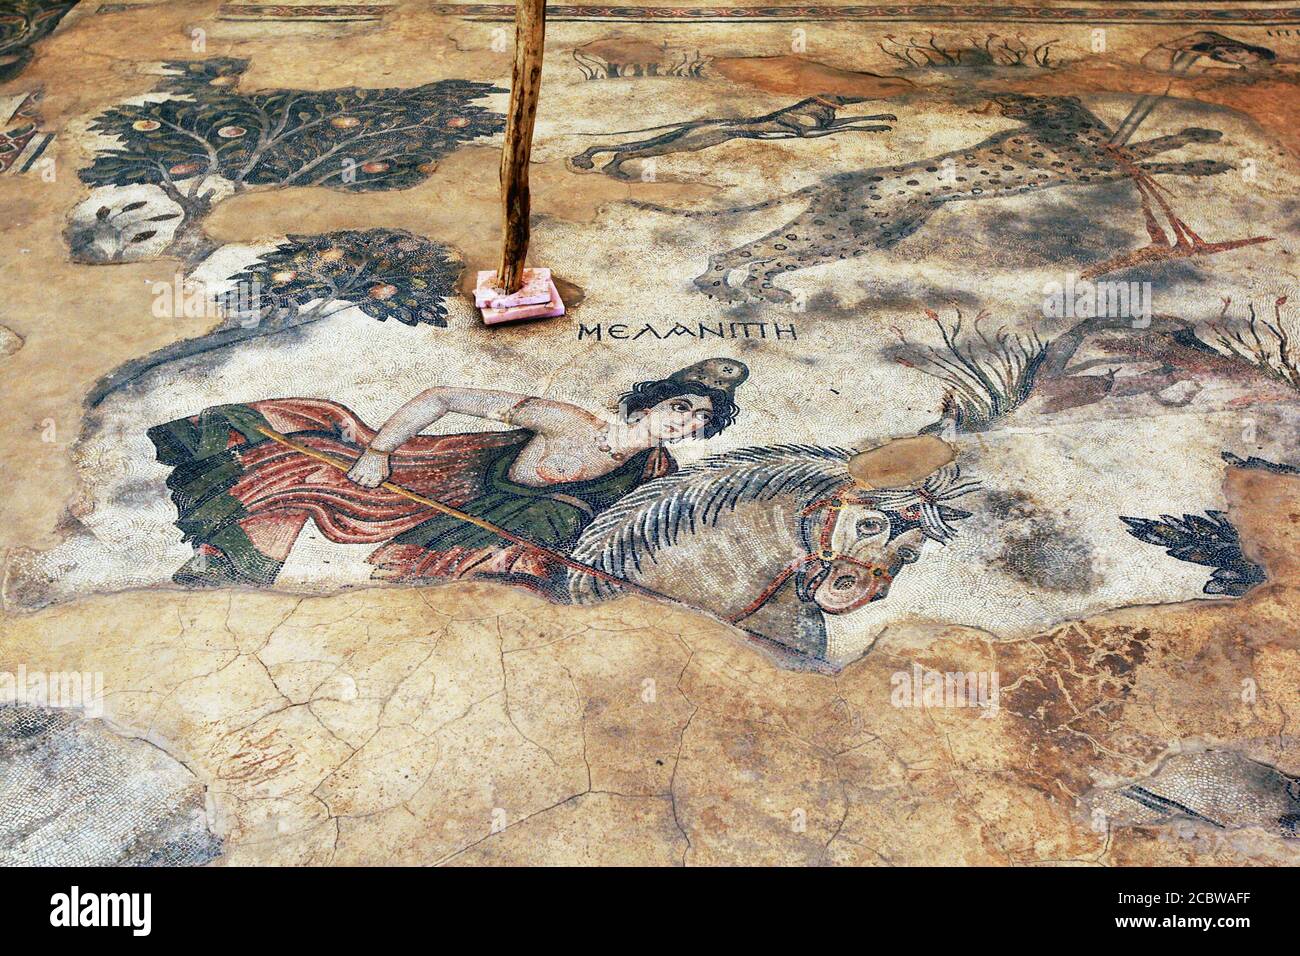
(655, 515)
(929, 501)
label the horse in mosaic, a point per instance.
(770, 539)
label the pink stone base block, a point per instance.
(549, 308)
(535, 290)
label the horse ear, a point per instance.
(901, 463)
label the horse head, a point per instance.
(864, 539)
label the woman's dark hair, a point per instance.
(646, 395)
(1211, 47)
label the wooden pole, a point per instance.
(525, 84)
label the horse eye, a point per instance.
(866, 526)
(908, 554)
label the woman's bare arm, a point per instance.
(539, 414)
(509, 407)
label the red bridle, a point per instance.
(805, 586)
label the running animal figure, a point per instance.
(1060, 143)
(770, 539)
(810, 118)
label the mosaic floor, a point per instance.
(914, 479)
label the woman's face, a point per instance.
(1233, 54)
(678, 417)
(1236, 55)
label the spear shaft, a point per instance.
(466, 517)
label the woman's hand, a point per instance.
(371, 469)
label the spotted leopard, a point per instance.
(1059, 143)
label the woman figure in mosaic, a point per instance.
(243, 498)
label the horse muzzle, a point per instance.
(844, 585)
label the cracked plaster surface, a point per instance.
(472, 724)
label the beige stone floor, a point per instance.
(473, 724)
(476, 725)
